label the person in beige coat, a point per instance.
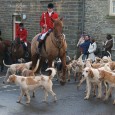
(92, 49)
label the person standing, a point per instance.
(108, 44)
(22, 36)
(81, 40)
(92, 49)
(46, 23)
(85, 47)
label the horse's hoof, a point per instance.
(62, 83)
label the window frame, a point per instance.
(113, 48)
(111, 13)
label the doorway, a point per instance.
(16, 22)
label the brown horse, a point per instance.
(54, 46)
(17, 51)
(4, 46)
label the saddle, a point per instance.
(48, 33)
(19, 42)
(42, 42)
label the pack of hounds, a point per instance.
(98, 75)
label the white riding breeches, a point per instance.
(25, 44)
(43, 35)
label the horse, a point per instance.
(17, 51)
(4, 52)
(54, 46)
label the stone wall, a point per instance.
(97, 20)
(70, 10)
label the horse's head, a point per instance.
(15, 45)
(17, 41)
(58, 27)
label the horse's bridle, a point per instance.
(58, 40)
(59, 36)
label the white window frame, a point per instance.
(113, 48)
(111, 13)
(15, 21)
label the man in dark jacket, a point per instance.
(108, 45)
(85, 47)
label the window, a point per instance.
(46, 0)
(113, 48)
(112, 8)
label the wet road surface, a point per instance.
(70, 101)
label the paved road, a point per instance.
(70, 102)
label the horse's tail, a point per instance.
(34, 70)
(5, 64)
(53, 72)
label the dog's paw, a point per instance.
(114, 102)
(55, 99)
(105, 99)
(86, 98)
(44, 101)
(18, 101)
(27, 102)
(98, 97)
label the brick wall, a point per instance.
(70, 10)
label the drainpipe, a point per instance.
(83, 16)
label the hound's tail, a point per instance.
(5, 64)
(53, 72)
(80, 58)
(34, 70)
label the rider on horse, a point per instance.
(46, 24)
(22, 35)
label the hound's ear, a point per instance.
(91, 73)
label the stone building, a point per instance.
(95, 17)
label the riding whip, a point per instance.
(45, 21)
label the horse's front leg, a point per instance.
(50, 64)
(34, 59)
(40, 64)
(63, 77)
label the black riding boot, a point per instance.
(39, 46)
(26, 54)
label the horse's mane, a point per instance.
(58, 27)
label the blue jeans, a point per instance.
(84, 57)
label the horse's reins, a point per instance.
(57, 45)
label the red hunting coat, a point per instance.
(46, 18)
(22, 34)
